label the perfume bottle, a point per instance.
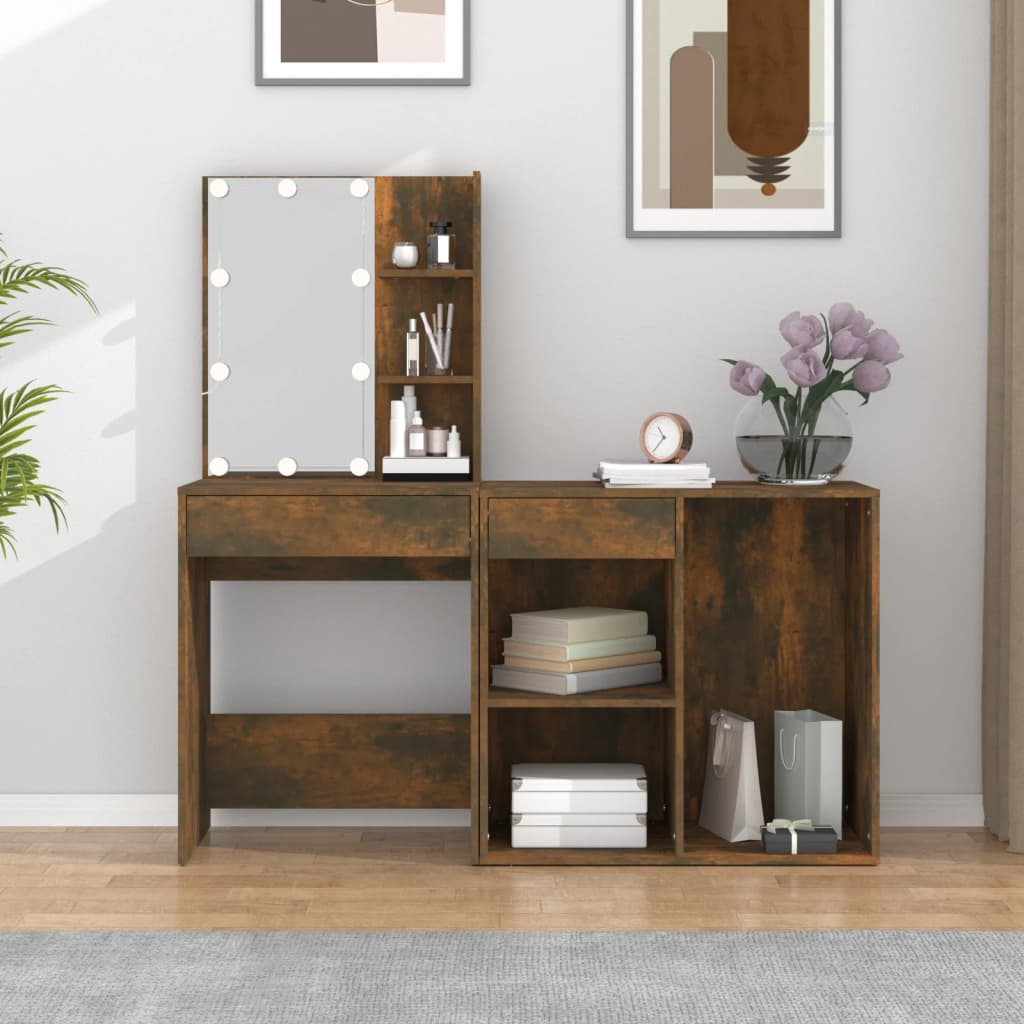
(441, 246)
(412, 349)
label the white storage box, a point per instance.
(580, 831)
(579, 805)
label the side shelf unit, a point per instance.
(759, 600)
(405, 207)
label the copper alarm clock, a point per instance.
(666, 437)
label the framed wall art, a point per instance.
(732, 118)
(362, 42)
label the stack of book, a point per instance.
(687, 475)
(578, 650)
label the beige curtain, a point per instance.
(1003, 690)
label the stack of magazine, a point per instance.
(690, 475)
(578, 650)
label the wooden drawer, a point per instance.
(326, 526)
(582, 527)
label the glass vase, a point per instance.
(804, 454)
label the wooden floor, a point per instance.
(405, 879)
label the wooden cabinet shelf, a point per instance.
(759, 599)
(391, 379)
(405, 207)
(660, 850)
(394, 272)
(702, 847)
(655, 695)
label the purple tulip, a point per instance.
(871, 375)
(746, 378)
(846, 345)
(883, 347)
(804, 367)
(842, 316)
(802, 331)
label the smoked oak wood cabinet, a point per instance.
(760, 597)
(315, 529)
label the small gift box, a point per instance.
(784, 836)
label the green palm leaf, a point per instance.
(20, 408)
(19, 278)
(16, 323)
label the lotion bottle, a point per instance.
(398, 429)
(454, 443)
(409, 398)
(416, 438)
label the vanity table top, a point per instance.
(341, 485)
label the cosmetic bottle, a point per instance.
(454, 443)
(441, 246)
(412, 349)
(437, 441)
(416, 438)
(409, 400)
(398, 429)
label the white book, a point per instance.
(579, 652)
(665, 485)
(655, 470)
(578, 625)
(567, 683)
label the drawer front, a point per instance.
(329, 526)
(582, 527)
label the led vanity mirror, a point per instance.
(290, 327)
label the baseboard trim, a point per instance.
(909, 810)
(160, 810)
(62, 810)
(932, 810)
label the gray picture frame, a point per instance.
(463, 79)
(633, 232)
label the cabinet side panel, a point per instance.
(765, 621)
(861, 726)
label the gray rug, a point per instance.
(511, 978)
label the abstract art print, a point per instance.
(362, 42)
(732, 118)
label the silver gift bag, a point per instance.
(731, 807)
(809, 767)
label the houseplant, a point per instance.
(20, 408)
(802, 435)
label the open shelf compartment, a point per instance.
(780, 613)
(642, 735)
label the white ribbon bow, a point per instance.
(801, 824)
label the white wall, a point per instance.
(114, 109)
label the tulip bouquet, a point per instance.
(848, 337)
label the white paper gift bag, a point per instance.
(809, 768)
(731, 807)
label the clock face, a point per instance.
(665, 437)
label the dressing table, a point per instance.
(759, 598)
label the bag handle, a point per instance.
(720, 744)
(782, 750)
